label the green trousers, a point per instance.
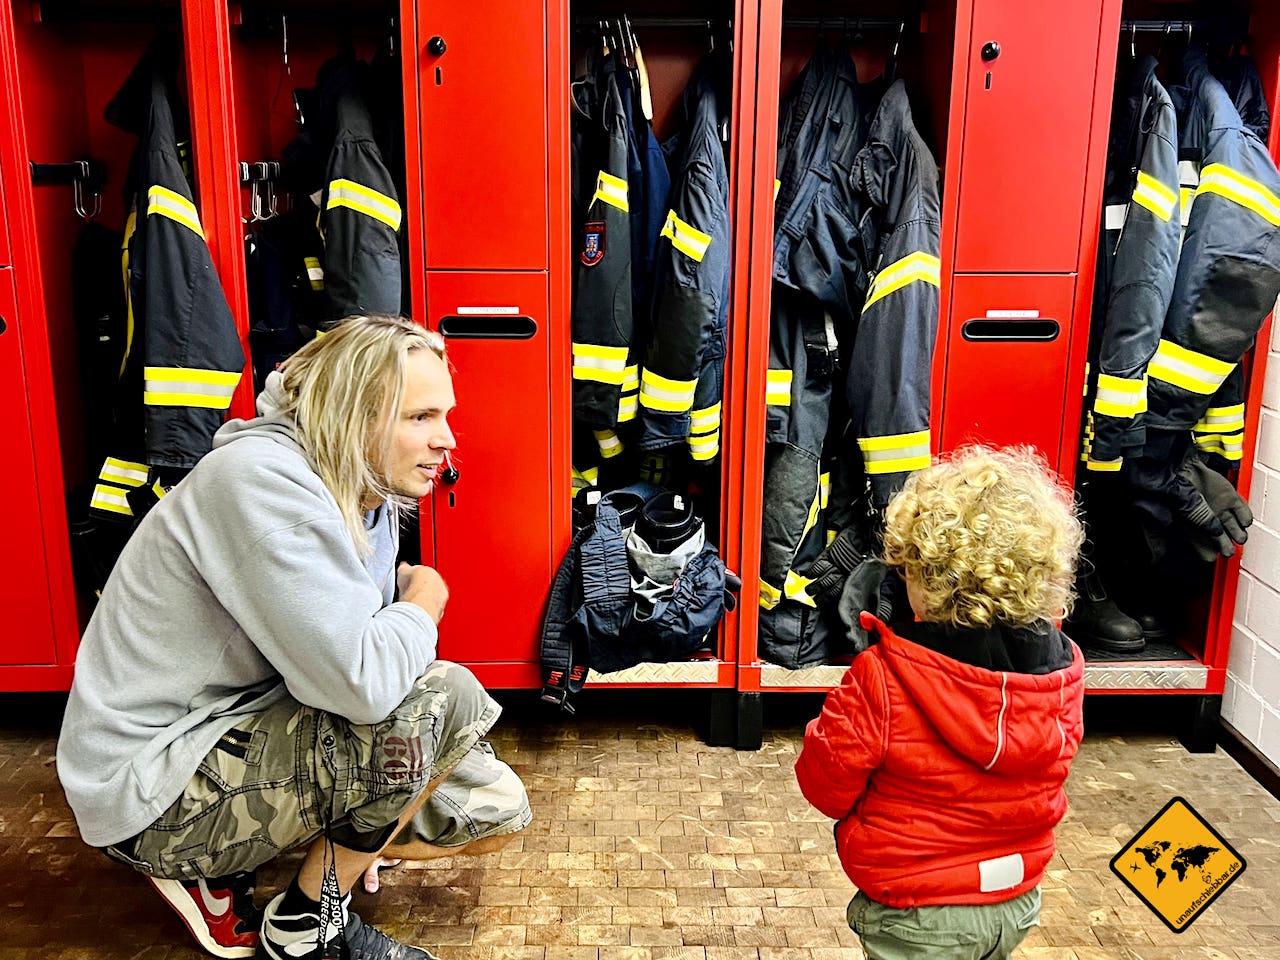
(953, 932)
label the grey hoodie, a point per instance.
(240, 586)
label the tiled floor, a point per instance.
(647, 843)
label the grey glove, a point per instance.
(828, 573)
(865, 589)
(1224, 519)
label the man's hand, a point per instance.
(423, 586)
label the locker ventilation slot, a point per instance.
(981, 328)
(488, 328)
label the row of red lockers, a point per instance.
(1021, 140)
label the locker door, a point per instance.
(24, 588)
(1007, 363)
(1028, 106)
(493, 536)
(483, 87)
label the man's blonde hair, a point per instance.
(986, 535)
(344, 390)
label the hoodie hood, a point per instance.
(994, 718)
(270, 423)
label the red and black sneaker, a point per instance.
(220, 912)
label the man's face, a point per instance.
(421, 436)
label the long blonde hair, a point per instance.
(344, 391)
(986, 535)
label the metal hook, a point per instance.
(78, 184)
(1188, 31)
(711, 38)
(902, 25)
(1133, 40)
(391, 36)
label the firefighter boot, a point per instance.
(1098, 623)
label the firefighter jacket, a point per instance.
(1137, 261)
(605, 371)
(887, 387)
(359, 209)
(863, 262)
(1229, 269)
(182, 357)
(681, 380)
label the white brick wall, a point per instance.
(1251, 701)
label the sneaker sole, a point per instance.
(175, 894)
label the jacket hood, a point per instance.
(270, 423)
(995, 719)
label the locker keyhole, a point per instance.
(439, 76)
(987, 85)
(452, 502)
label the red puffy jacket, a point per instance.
(946, 778)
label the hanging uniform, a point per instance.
(183, 357)
(1229, 270)
(605, 371)
(1137, 261)
(359, 210)
(681, 382)
(863, 246)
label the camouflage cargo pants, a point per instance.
(280, 778)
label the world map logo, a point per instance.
(1182, 860)
(1177, 864)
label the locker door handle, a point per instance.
(1039, 330)
(482, 327)
(436, 46)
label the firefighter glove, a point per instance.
(867, 588)
(828, 573)
(1223, 503)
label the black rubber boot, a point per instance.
(1097, 622)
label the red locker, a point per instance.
(1010, 339)
(486, 172)
(493, 528)
(24, 580)
(1025, 142)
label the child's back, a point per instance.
(944, 751)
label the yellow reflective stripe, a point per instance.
(831, 537)
(1221, 420)
(1155, 196)
(1120, 397)
(612, 190)
(796, 588)
(777, 185)
(686, 238)
(130, 227)
(362, 199)
(111, 499)
(124, 472)
(770, 596)
(1103, 466)
(777, 390)
(609, 443)
(824, 490)
(1230, 446)
(815, 505)
(1236, 187)
(1188, 369)
(628, 407)
(915, 266)
(659, 393)
(175, 206)
(704, 447)
(315, 272)
(895, 453)
(189, 387)
(599, 363)
(708, 418)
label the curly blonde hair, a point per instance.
(986, 535)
